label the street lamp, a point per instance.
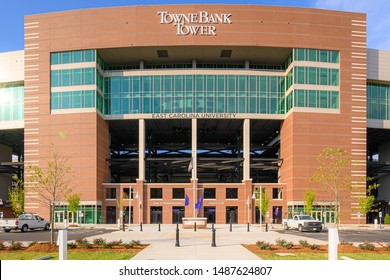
(137, 196)
(260, 204)
(130, 191)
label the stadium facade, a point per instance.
(191, 110)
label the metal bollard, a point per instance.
(194, 226)
(248, 228)
(140, 227)
(231, 227)
(266, 227)
(213, 237)
(159, 226)
(177, 236)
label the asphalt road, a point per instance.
(346, 235)
(44, 236)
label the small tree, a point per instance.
(16, 195)
(367, 202)
(52, 183)
(264, 201)
(122, 207)
(309, 197)
(387, 219)
(333, 176)
(74, 202)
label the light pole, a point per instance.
(137, 196)
(130, 191)
(260, 204)
(248, 203)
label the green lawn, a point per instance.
(322, 256)
(71, 255)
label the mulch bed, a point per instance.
(343, 248)
(51, 248)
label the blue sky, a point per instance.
(13, 12)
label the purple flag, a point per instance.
(187, 201)
(198, 205)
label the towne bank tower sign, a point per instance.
(200, 23)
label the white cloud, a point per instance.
(378, 22)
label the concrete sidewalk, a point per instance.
(196, 245)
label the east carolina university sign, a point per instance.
(200, 23)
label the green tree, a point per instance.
(367, 202)
(73, 204)
(16, 195)
(333, 175)
(264, 201)
(309, 198)
(121, 206)
(387, 219)
(51, 183)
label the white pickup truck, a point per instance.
(24, 223)
(302, 223)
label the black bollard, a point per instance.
(177, 236)
(231, 227)
(247, 228)
(266, 227)
(194, 226)
(140, 227)
(159, 226)
(213, 237)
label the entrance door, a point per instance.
(232, 214)
(317, 215)
(155, 215)
(277, 214)
(59, 216)
(330, 217)
(177, 214)
(111, 215)
(209, 213)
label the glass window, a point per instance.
(300, 54)
(335, 56)
(126, 192)
(277, 193)
(323, 76)
(312, 55)
(89, 55)
(55, 58)
(232, 193)
(111, 193)
(312, 98)
(312, 75)
(66, 58)
(156, 193)
(335, 77)
(178, 193)
(77, 56)
(335, 99)
(323, 99)
(300, 75)
(209, 193)
(324, 56)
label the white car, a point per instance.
(302, 223)
(24, 223)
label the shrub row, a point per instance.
(284, 243)
(305, 244)
(85, 244)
